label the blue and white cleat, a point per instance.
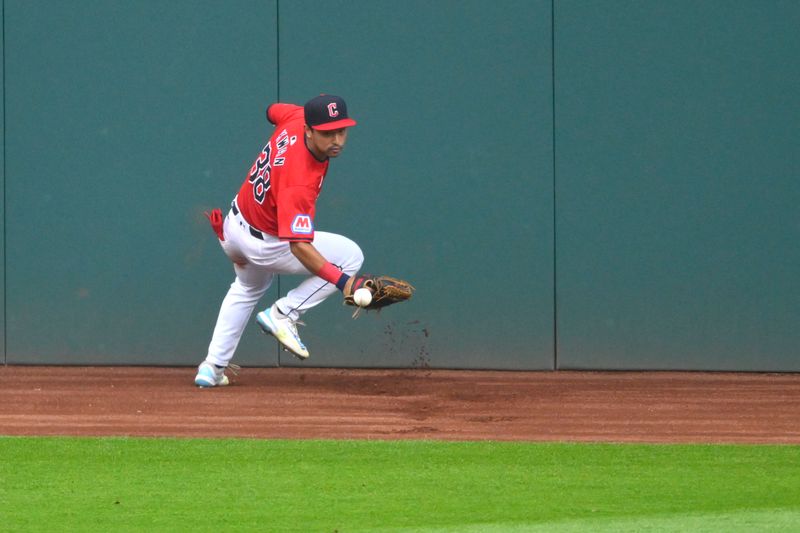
(284, 329)
(210, 376)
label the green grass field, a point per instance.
(123, 484)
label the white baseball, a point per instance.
(362, 297)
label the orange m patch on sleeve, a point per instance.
(302, 225)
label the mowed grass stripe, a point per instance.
(126, 484)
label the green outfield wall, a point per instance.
(677, 166)
(3, 203)
(569, 184)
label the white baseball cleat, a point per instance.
(210, 376)
(284, 329)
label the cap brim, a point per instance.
(335, 125)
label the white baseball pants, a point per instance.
(255, 262)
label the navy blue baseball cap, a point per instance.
(327, 112)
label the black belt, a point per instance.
(254, 232)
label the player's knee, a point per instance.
(356, 258)
(249, 291)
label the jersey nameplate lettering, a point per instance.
(282, 143)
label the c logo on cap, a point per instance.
(332, 111)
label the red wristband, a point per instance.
(330, 273)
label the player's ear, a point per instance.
(308, 132)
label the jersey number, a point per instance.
(259, 174)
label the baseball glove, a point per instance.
(385, 291)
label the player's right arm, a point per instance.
(278, 112)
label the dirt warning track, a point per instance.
(656, 407)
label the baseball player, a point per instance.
(270, 230)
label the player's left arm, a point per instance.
(307, 254)
(309, 257)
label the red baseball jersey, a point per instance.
(280, 193)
